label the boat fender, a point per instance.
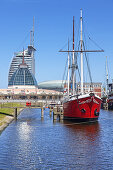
(83, 111)
(96, 113)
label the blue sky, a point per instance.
(53, 27)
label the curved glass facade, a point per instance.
(22, 76)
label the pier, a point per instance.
(105, 106)
(54, 108)
(58, 112)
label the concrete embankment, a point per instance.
(6, 121)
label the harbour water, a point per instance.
(34, 143)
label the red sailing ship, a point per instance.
(80, 106)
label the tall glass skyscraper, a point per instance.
(17, 60)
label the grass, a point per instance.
(8, 111)
(2, 116)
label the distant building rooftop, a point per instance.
(52, 85)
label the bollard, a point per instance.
(15, 114)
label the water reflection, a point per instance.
(33, 143)
(87, 133)
(24, 131)
(85, 141)
(89, 128)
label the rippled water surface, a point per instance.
(33, 143)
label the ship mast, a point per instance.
(73, 63)
(106, 77)
(81, 54)
(81, 50)
(23, 64)
(68, 67)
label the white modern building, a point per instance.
(17, 60)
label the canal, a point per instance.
(33, 143)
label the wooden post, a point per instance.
(42, 111)
(107, 104)
(54, 116)
(61, 116)
(15, 114)
(55, 113)
(50, 113)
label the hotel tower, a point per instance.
(28, 58)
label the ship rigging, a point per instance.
(80, 106)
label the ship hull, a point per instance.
(82, 108)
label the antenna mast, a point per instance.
(33, 31)
(32, 35)
(23, 57)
